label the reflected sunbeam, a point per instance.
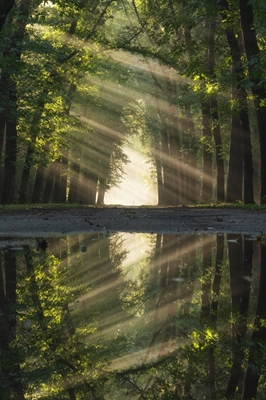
(156, 310)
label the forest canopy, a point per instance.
(79, 79)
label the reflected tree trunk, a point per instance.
(213, 310)
(11, 385)
(240, 271)
(217, 277)
(44, 323)
(205, 316)
(206, 285)
(256, 360)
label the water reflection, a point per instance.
(133, 316)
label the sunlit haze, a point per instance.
(135, 188)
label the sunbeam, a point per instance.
(136, 187)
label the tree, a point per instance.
(5, 8)
(240, 129)
(11, 55)
(255, 67)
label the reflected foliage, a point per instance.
(185, 319)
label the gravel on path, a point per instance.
(57, 222)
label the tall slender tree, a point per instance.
(256, 73)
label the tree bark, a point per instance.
(101, 193)
(9, 182)
(74, 186)
(24, 186)
(256, 360)
(255, 74)
(220, 189)
(9, 351)
(191, 181)
(241, 97)
(63, 180)
(240, 271)
(14, 51)
(207, 179)
(5, 7)
(48, 187)
(165, 166)
(235, 172)
(159, 178)
(220, 195)
(90, 188)
(38, 185)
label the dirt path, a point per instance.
(56, 222)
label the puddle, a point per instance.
(138, 316)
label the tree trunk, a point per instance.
(217, 278)
(38, 185)
(48, 187)
(176, 167)
(256, 360)
(236, 287)
(165, 166)
(5, 8)
(191, 180)
(247, 149)
(89, 190)
(220, 189)
(254, 65)
(24, 187)
(57, 181)
(215, 119)
(241, 97)
(101, 193)
(206, 284)
(8, 193)
(14, 49)
(63, 180)
(3, 111)
(11, 369)
(235, 172)
(74, 186)
(207, 180)
(159, 179)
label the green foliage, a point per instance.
(134, 67)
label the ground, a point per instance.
(60, 222)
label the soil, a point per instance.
(177, 220)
